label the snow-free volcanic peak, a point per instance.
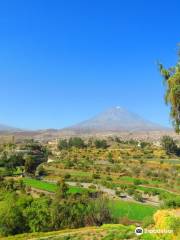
(117, 119)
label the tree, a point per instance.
(144, 144)
(11, 217)
(101, 144)
(62, 190)
(62, 144)
(110, 157)
(30, 165)
(99, 212)
(169, 145)
(36, 154)
(76, 142)
(41, 171)
(37, 215)
(172, 96)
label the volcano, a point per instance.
(116, 119)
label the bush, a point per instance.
(101, 144)
(138, 182)
(96, 176)
(76, 142)
(130, 191)
(172, 202)
(138, 197)
(67, 176)
(41, 171)
(169, 145)
(63, 144)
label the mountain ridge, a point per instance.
(7, 128)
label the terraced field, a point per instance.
(49, 187)
(119, 208)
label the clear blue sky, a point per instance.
(62, 61)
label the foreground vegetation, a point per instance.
(79, 183)
(162, 220)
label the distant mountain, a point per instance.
(5, 128)
(116, 119)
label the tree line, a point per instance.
(77, 142)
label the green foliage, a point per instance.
(144, 144)
(172, 80)
(22, 213)
(30, 164)
(11, 185)
(137, 181)
(41, 171)
(98, 212)
(62, 190)
(35, 155)
(11, 216)
(37, 215)
(172, 202)
(101, 144)
(169, 145)
(63, 144)
(76, 142)
(130, 191)
(138, 197)
(10, 161)
(29, 156)
(110, 158)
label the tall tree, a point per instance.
(172, 96)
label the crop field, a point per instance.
(131, 210)
(50, 187)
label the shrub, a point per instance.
(138, 197)
(101, 144)
(169, 145)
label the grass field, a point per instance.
(131, 210)
(50, 187)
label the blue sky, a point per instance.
(62, 61)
